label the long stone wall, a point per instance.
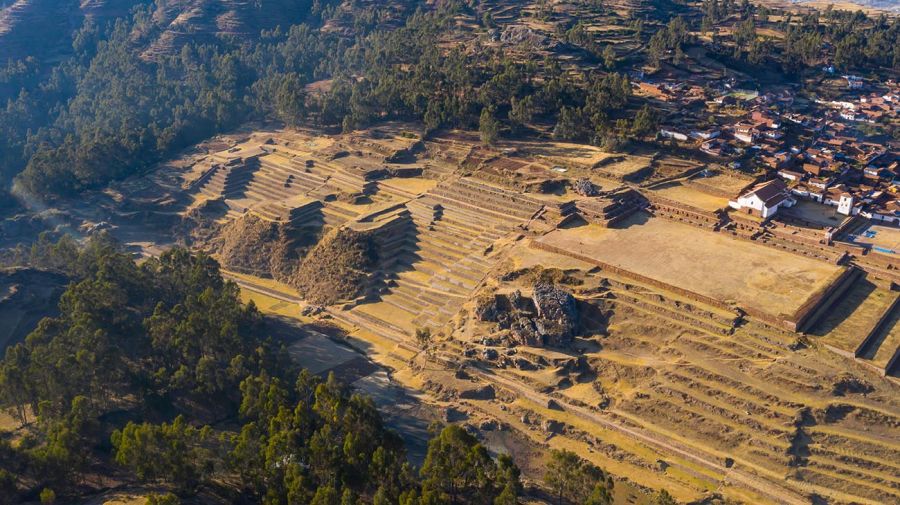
(792, 322)
(873, 332)
(807, 314)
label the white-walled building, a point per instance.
(764, 199)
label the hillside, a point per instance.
(30, 27)
(200, 21)
(45, 27)
(659, 238)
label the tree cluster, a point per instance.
(145, 359)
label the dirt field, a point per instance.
(402, 410)
(849, 321)
(412, 185)
(626, 168)
(888, 341)
(728, 183)
(318, 354)
(824, 215)
(690, 196)
(580, 154)
(703, 262)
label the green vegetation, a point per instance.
(103, 113)
(148, 363)
(571, 480)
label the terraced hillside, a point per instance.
(703, 388)
(676, 389)
(182, 21)
(29, 27)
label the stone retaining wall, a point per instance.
(790, 321)
(873, 332)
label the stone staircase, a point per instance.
(349, 180)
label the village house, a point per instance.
(764, 199)
(745, 132)
(820, 182)
(715, 147)
(672, 134)
(707, 134)
(761, 118)
(790, 175)
(879, 209)
(839, 197)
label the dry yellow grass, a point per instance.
(691, 196)
(847, 323)
(688, 485)
(269, 305)
(411, 185)
(580, 154)
(391, 314)
(730, 183)
(7, 422)
(259, 281)
(627, 167)
(703, 262)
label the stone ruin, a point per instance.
(585, 187)
(548, 319)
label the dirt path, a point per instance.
(778, 493)
(278, 295)
(762, 486)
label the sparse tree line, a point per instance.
(104, 113)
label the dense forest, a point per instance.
(104, 113)
(156, 373)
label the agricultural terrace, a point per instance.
(690, 196)
(706, 263)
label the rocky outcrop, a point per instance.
(256, 246)
(585, 187)
(548, 319)
(337, 268)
